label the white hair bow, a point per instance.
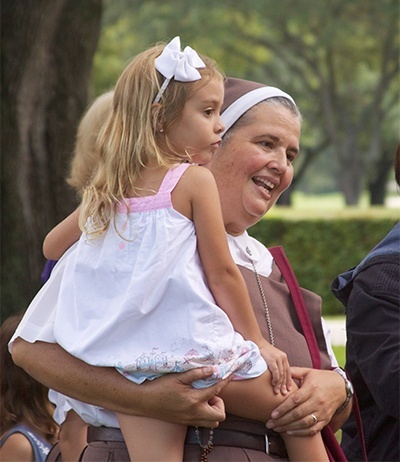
(181, 65)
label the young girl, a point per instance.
(27, 429)
(141, 290)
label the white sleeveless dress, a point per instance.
(137, 299)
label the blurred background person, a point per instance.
(27, 427)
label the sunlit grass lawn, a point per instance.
(327, 206)
(340, 353)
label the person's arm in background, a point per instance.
(62, 236)
(170, 398)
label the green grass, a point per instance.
(340, 353)
(328, 206)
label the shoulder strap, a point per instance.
(172, 177)
(334, 451)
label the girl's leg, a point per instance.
(73, 437)
(152, 440)
(255, 399)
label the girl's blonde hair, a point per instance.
(130, 138)
(86, 155)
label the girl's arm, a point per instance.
(60, 238)
(223, 276)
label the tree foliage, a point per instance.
(339, 58)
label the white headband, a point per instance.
(248, 100)
(181, 65)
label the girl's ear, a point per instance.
(156, 114)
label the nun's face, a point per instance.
(254, 165)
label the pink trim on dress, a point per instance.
(160, 200)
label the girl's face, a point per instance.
(198, 132)
(254, 165)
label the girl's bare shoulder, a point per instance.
(198, 174)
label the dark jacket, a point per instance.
(371, 296)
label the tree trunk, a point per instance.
(382, 169)
(377, 190)
(285, 198)
(47, 49)
(350, 167)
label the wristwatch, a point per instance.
(349, 390)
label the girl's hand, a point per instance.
(279, 367)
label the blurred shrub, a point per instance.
(319, 250)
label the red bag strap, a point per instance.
(357, 414)
(298, 300)
(334, 451)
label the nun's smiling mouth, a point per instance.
(263, 183)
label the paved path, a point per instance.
(338, 331)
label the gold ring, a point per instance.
(315, 419)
